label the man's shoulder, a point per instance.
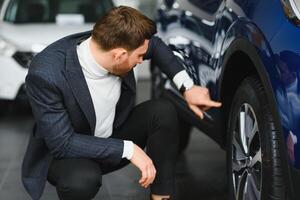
(46, 63)
(53, 57)
(59, 47)
(65, 42)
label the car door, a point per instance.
(193, 37)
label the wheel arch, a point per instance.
(242, 50)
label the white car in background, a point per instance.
(28, 26)
(132, 3)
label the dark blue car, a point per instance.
(247, 53)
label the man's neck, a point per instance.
(103, 58)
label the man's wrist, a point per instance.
(128, 149)
(183, 81)
(187, 85)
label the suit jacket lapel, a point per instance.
(79, 86)
(128, 82)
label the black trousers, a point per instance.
(152, 124)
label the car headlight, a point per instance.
(292, 10)
(6, 48)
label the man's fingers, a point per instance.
(207, 104)
(147, 176)
(150, 175)
(153, 173)
(145, 165)
(143, 178)
(210, 103)
(197, 111)
(147, 181)
(204, 108)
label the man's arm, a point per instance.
(197, 97)
(163, 56)
(54, 126)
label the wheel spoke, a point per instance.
(252, 131)
(253, 189)
(245, 190)
(256, 159)
(240, 184)
(238, 153)
(256, 175)
(242, 123)
(246, 155)
(238, 166)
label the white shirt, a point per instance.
(105, 90)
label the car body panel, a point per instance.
(9, 87)
(287, 51)
(27, 38)
(24, 36)
(206, 34)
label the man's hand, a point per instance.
(198, 100)
(145, 165)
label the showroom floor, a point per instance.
(200, 171)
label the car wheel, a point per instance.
(253, 158)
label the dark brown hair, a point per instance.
(123, 27)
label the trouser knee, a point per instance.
(75, 179)
(164, 112)
(78, 189)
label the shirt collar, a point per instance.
(90, 64)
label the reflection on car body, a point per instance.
(247, 54)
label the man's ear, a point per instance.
(119, 55)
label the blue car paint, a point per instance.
(276, 41)
(286, 47)
(279, 50)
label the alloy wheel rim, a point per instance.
(246, 156)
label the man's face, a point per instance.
(130, 59)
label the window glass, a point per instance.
(1, 2)
(43, 11)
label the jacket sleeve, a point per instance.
(54, 126)
(163, 57)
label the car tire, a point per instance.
(254, 162)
